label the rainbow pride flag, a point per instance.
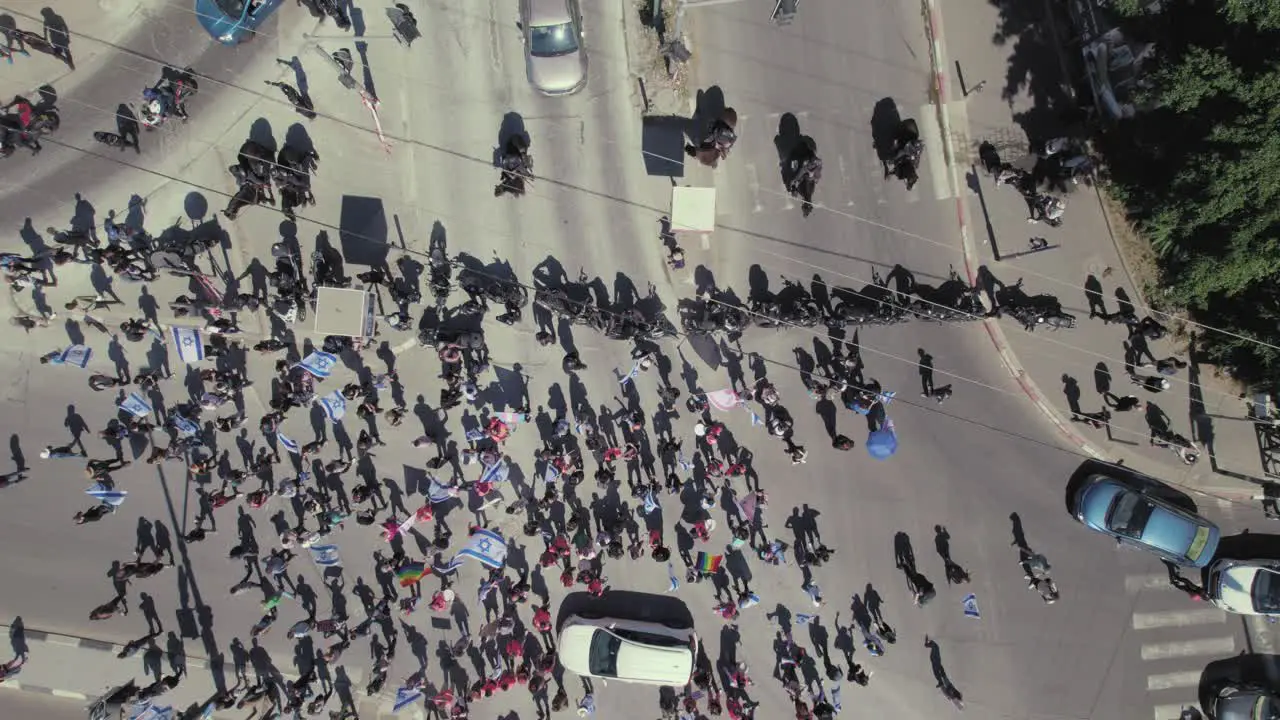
(708, 564)
(411, 573)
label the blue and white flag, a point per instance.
(486, 546)
(190, 346)
(335, 406)
(135, 405)
(970, 605)
(552, 474)
(631, 375)
(319, 364)
(147, 711)
(77, 355)
(674, 582)
(755, 419)
(288, 443)
(497, 472)
(405, 696)
(325, 555)
(835, 699)
(107, 496)
(803, 619)
(650, 502)
(185, 427)
(438, 492)
(686, 465)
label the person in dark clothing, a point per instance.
(1120, 404)
(93, 514)
(301, 101)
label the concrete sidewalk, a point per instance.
(1009, 91)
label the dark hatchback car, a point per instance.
(1140, 511)
(1244, 703)
(231, 22)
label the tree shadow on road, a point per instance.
(1040, 66)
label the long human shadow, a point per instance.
(204, 613)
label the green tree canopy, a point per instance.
(1199, 169)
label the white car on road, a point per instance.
(1246, 587)
(628, 650)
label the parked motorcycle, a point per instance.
(907, 150)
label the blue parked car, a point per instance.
(1141, 511)
(231, 22)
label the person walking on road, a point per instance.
(926, 373)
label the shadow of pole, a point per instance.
(204, 613)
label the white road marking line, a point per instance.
(1169, 681)
(753, 181)
(1134, 584)
(1171, 712)
(1178, 618)
(63, 641)
(69, 695)
(844, 176)
(1189, 648)
(935, 158)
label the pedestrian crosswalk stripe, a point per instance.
(1178, 618)
(1189, 648)
(1134, 584)
(1168, 681)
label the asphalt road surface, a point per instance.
(966, 465)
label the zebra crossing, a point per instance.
(1177, 637)
(849, 164)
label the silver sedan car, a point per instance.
(553, 54)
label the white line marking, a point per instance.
(1168, 681)
(404, 346)
(753, 181)
(1189, 648)
(1178, 618)
(63, 641)
(1134, 584)
(69, 695)
(1171, 712)
(844, 176)
(935, 158)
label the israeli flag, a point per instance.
(319, 364)
(551, 475)
(970, 605)
(803, 619)
(650, 502)
(835, 699)
(288, 443)
(486, 546)
(335, 406)
(755, 419)
(438, 492)
(190, 346)
(497, 472)
(107, 496)
(147, 711)
(77, 355)
(674, 582)
(185, 427)
(686, 465)
(631, 375)
(135, 405)
(405, 696)
(325, 555)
